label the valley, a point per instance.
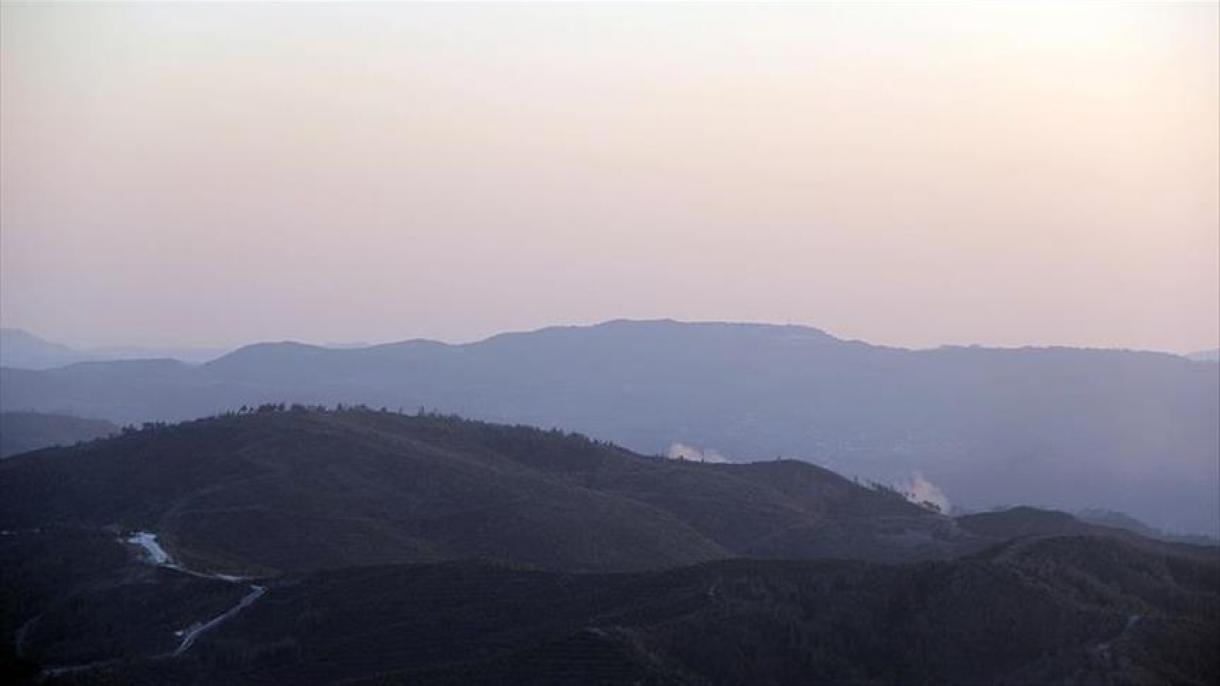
(825, 343)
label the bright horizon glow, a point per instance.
(1000, 174)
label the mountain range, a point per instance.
(1212, 355)
(24, 350)
(985, 426)
(303, 545)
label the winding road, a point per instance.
(157, 555)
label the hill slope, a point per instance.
(24, 431)
(988, 426)
(1074, 609)
(304, 489)
(326, 506)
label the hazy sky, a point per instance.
(912, 175)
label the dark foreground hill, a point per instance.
(24, 431)
(1058, 609)
(323, 508)
(988, 426)
(304, 489)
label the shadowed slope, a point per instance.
(1055, 610)
(305, 489)
(24, 431)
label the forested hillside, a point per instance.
(988, 426)
(292, 489)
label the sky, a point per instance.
(915, 175)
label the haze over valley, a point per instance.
(663, 344)
(985, 427)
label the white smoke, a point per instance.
(682, 451)
(919, 491)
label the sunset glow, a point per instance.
(913, 175)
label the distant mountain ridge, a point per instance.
(24, 431)
(1212, 355)
(985, 425)
(1121, 520)
(23, 350)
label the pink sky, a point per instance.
(911, 175)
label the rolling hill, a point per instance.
(1041, 614)
(24, 431)
(381, 548)
(301, 489)
(988, 426)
